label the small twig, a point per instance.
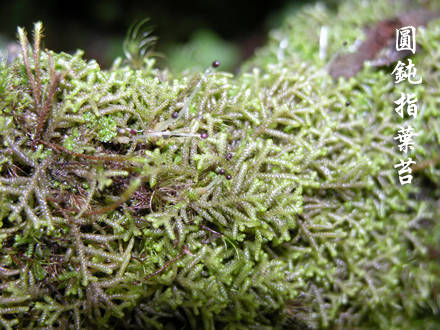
(151, 201)
(37, 40)
(161, 269)
(212, 231)
(54, 81)
(425, 164)
(107, 157)
(24, 50)
(169, 263)
(9, 272)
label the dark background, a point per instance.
(99, 27)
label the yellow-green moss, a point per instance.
(260, 200)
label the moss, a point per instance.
(131, 198)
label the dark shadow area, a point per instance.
(99, 27)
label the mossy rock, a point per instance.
(131, 198)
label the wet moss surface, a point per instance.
(132, 198)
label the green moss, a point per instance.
(259, 200)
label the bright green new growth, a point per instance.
(115, 211)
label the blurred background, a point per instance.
(191, 34)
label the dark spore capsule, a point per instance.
(175, 114)
(221, 171)
(215, 64)
(204, 135)
(229, 156)
(229, 177)
(347, 103)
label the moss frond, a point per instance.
(131, 198)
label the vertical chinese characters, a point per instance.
(406, 40)
(407, 72)
(408, 100)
